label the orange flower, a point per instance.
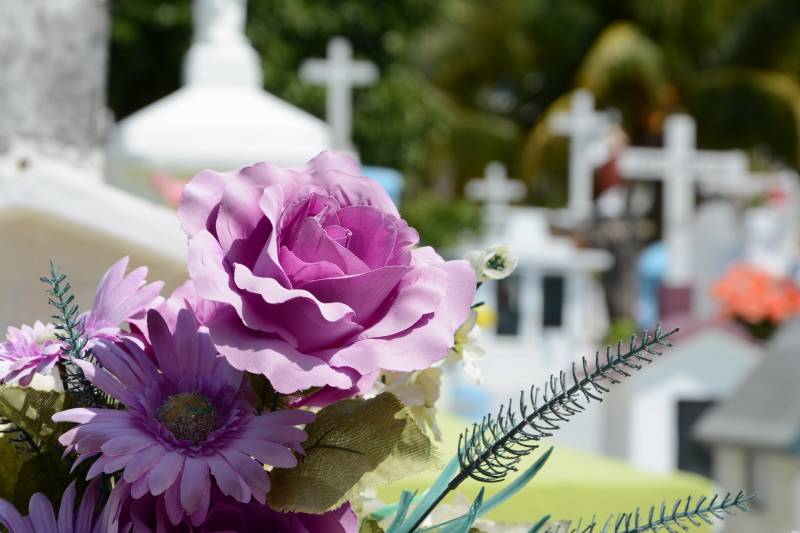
(754, 295)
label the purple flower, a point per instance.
(184, 297)
(188, 419)
(225, 515)
(119, 299)
(28, 351)
(319, 277)
(41, 517)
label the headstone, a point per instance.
(767, 242)
(52, 90)
(771, 230)
(705, 365)
(339, 73)
(221, 118)
(589, 135)
(715, 244)
(52, 204)
(679, 165)
(496, 192)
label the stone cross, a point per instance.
(220, 53)
(496, 191)
(219, 20)
(339, 73)
(588, 132)
(679, 165)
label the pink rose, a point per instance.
(317, 275)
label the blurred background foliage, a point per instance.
(464, 82)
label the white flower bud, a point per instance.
(495, 263)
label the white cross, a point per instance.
(339, 73)
(679, 164)
(496, 191)
(219, 20)
(588, 131)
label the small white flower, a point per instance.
(495, 263)
(419, 390)
(466, 350)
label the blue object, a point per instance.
(390, 179)
(651, 268)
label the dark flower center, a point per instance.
(188, 416)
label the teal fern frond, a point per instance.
(70, 327)
(490, 450)
(682, 515)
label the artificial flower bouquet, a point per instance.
(296, 370)
(756, 298)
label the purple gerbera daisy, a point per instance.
(189, 418)
(119, 299)
(28, 351)
(42, 518)
(148, 515)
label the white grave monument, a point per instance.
(679, 165)
(339, 73)
(550, 311)
(221, 118)
(753, 435)
(716, 243)
(589, 135)
(496, 192)
(651, 415)
(54, 205)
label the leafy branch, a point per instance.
(71, 332)
(678, 519)
(489, 451)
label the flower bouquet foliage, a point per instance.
(296, 370)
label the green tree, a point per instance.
(730, 63)
(398, 123)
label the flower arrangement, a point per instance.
(756, 298)
(297, 369)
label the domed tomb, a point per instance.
(221, 118)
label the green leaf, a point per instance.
(34, 465)
(10, 463)
(402, 508)
(463, 524)
(540, 524)
(352, 445)
(32, 410)
(434, 492)
(370, 525)
(45, 472)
